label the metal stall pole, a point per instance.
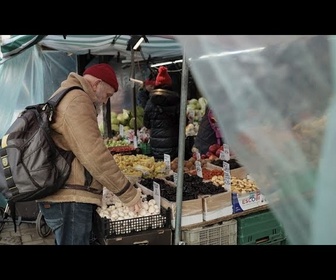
(134, 94)
(181, 151)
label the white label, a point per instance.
(226, 151)
(135, 142)
(198, 156)
(199, 168)
(227, 181)
(166, 159)
(175, 178)
(121, 130)
(226, 167)
(157, 194)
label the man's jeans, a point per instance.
(70, 222)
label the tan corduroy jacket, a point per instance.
(76, 129)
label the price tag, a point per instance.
(226, 151)
(199, 168)
(135, 142)
(166, 159)
(227, 181)
(175, 178)
(157, 194)
(226, 167)
(121, 130)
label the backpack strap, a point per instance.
(58, 97)
(54, 102)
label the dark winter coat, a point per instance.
(142, 97)
(162, 117)
(208, 134)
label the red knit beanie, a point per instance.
(104, 72)
(163, 77)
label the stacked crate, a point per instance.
(218, 234)
(260, 228)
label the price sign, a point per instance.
(226, 167)
(199, 168)
(121, 130)
(166, 159)
(135, 142)
(226, 151)
(175, 178)
(227, 181)
(157, 194)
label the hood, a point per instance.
(164, 97)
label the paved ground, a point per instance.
(26, 234)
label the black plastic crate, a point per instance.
(105, 228)
(148, 237)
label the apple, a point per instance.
(213, 157)
(209, 154)
(213, 148)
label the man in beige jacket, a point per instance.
(69, 211)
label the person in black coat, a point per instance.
(143, 94)
(162, 117)
(208, 133)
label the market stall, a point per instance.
(261, 87)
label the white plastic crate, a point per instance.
(219, 234)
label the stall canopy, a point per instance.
(154, 46)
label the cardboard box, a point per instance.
(192, 210)
(217, 206)
(263, 200)
(246, 201)
(239, 173)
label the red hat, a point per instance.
(163, 77)
(104, 72)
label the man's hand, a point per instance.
(137, 207)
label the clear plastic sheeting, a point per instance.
(274, 99)
(30, 78)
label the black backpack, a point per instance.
(32, 166)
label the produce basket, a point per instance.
(106, 228)
(124, 150)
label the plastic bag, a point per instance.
(273, 96)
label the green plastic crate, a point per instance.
(275, 242)
(145, 148)
(259, 228)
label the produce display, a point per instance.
(243, 185)
(193, 187)
(116, 141)
(189, 165)
(232, 162)
(127, 119)
(116, 218)
(112, 208)
(140, 165)
(195, 112)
